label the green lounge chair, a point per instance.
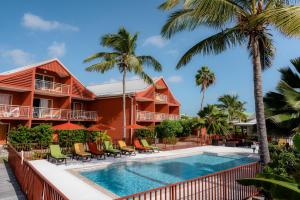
(110, 150)
(145, 144)
(55, 154)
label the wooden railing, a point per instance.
(217, 186)
(144, 116)
(161, 97)
(34, 185)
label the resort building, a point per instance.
(146, 105)
(47, 92)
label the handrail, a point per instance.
(83, 115)
(145, 115)
(160, 97)
(52, 87)
(34, 184)
(14, 111)
(218, 185)
(50, 113)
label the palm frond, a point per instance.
(145, 77)
(214, 44)
(169, 4)
(296, 64)
(213, 13)
(102, 55)
(151, 62)
(290, 77)
(286, 19)
(291, 95)
(101, 67)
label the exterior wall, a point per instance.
(111, 113)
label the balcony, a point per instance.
(161, 116)
(50, 113)
(160, 97)
(50, 87)
(174, 117)
(14, 111)
(83, 115)
(144, 116)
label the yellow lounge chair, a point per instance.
(80, 152)
(126, 149)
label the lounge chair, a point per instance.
(110, 150)
(55, 154)
(126, 149)
(145, 144)
(140, 148)
(95, 151)
(80, 152)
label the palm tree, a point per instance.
(282, 106)
(215, 120)
(239, 22)
(122, 57)
(204, 78)
(233, 107)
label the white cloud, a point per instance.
(18, 57)
(175, 79)
(37, 23)
(155, 40)
(56, 50)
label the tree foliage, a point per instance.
(233, 107)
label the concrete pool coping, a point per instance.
(67, 178)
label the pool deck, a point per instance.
(74, 187)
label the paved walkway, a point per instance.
(9, 188)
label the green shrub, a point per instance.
(188, 126)
(24, 137)
(68, 138)
(168, 129)
(284, 161)
(145, 133)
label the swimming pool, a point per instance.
(133, 177)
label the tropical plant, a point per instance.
(145, 133)
(122, 57)
(278, 186)
(233, 107)
(282, 106)
(239, 22)
(204, 78)
(215, 120)
(168, 129)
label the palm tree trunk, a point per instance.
(124, 104)
(259, 104)
(202, 100)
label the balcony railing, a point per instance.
(50, 113)
(144, 116)
(161, 97)
(14, 111)
(161, 116)
(83, 115)
(174, 117)
(51, 87)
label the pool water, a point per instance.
(133, 177)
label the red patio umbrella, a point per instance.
(67, 127)
(100, 127)
(135, 126)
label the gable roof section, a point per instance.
(132, 87)
(16, 75)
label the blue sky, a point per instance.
(34, 31)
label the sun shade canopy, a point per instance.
(67, 127)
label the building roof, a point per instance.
(116, 88)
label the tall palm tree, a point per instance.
(232, 106)
(122, 57)
(282, 106)
(204, 78)
(238, 22)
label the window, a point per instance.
(5, 99)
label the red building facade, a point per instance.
(48, 93)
